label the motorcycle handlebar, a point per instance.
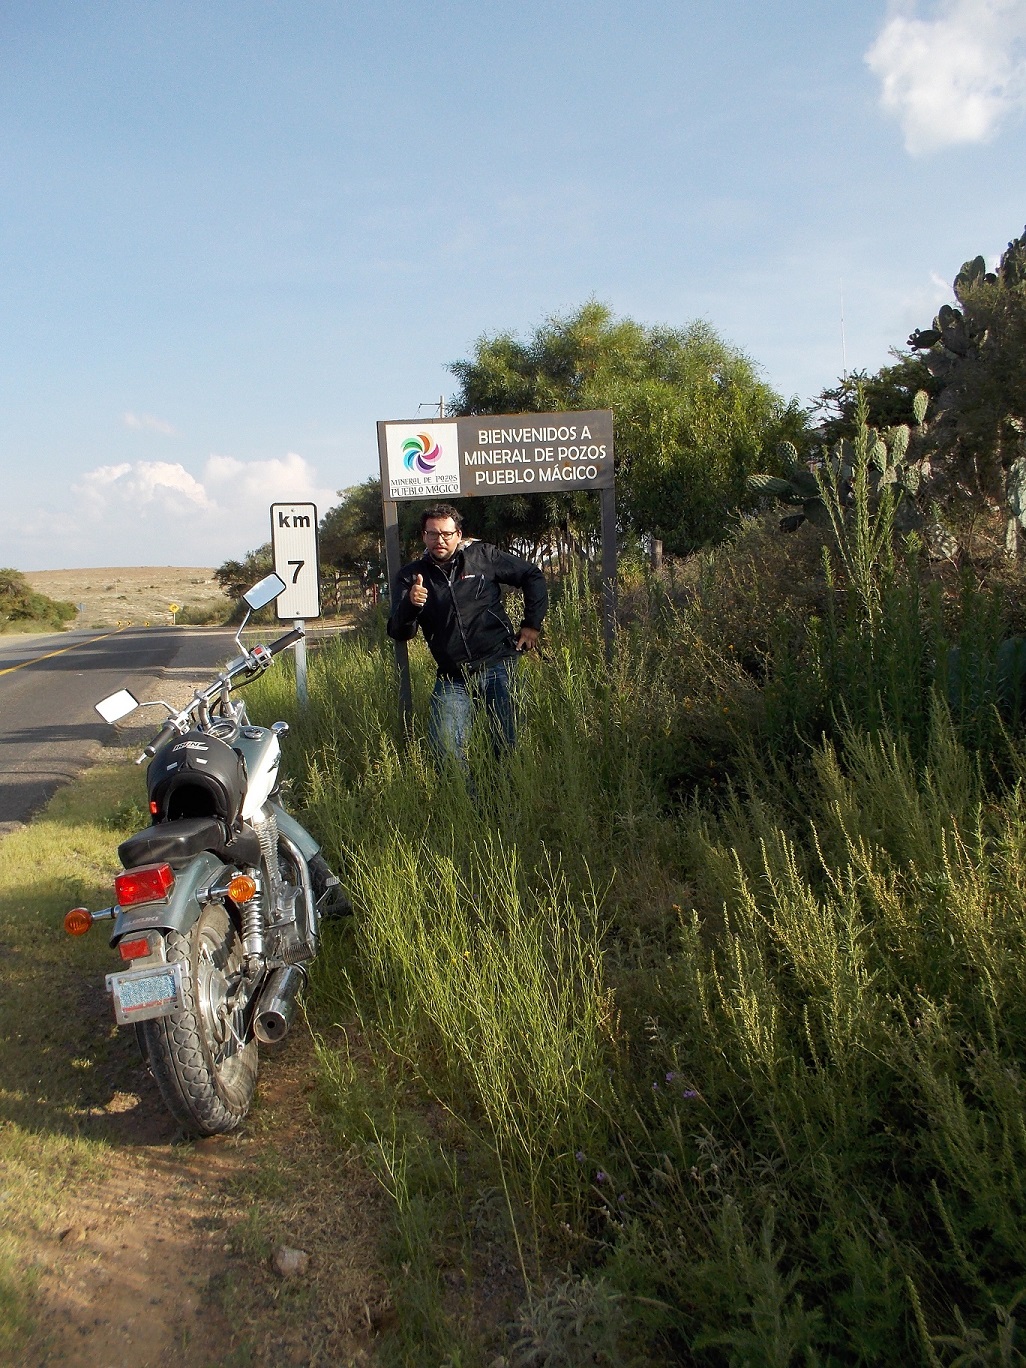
(165, 734)
(285, 641)
(251, 663)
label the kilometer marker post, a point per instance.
(294, 546)
(302, 693)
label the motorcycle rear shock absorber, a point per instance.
(254, 921)
(267, 833)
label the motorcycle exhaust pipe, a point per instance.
(276, 1005)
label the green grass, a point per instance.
(718, 979)
(56, 1069)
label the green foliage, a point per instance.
(21, 608)
(977, 354)
(576, 1323)
(797, 486)
(691, 417)
(719, 975)
(351, 541)
(235, 577)
(57, 1070)
(872, 481)
(200, 615)
(889, 396)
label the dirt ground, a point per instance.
(134, 596)
(162, 1264)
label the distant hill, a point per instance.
(134, 595)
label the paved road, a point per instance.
(48, 685)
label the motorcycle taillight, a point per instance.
(151, 883)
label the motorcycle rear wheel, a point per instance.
(200, 1056)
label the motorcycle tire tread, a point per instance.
(199, 1100)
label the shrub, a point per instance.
(719, 974)
(21, 607)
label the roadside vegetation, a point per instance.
(717, 981)
(65, 857)
(24, 610)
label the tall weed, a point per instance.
(722, 968)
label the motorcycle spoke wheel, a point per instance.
(203, 1063)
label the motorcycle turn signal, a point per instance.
(241, 889)
(79, 920)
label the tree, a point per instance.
(691, 417)
(351, 541)
(977, 355)
(235, 577)
(693, 421)
(889, 397)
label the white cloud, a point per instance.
(258, 484)
(137, 486)
(146, 422)
(159, 513)
(953, 78)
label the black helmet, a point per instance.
(196, 776)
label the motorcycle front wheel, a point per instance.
(203, 1064)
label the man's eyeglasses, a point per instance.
(434, 532)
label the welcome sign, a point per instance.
(507, 453)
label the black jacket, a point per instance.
(463, 621)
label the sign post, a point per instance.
(490, 454)
(294, 546)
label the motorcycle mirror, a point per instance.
(268, 589)
(117, 706)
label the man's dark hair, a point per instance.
(441, 511)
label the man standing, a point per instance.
(452, 593)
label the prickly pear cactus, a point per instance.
(889, 467)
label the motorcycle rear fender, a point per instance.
(288, 826)
(181, 910)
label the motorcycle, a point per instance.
(218, 909)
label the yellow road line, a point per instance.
(64, 649)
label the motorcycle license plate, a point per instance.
(141, 994)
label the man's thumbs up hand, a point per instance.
(418, 594)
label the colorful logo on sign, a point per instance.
(421, 453)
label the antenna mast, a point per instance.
(844, 353)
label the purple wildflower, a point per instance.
(600, 1177)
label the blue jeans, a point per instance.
(455, 701)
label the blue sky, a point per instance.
(234, 235)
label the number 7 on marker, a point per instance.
(299, 565)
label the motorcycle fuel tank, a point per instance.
(261, 751)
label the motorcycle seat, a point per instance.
(172, 842)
